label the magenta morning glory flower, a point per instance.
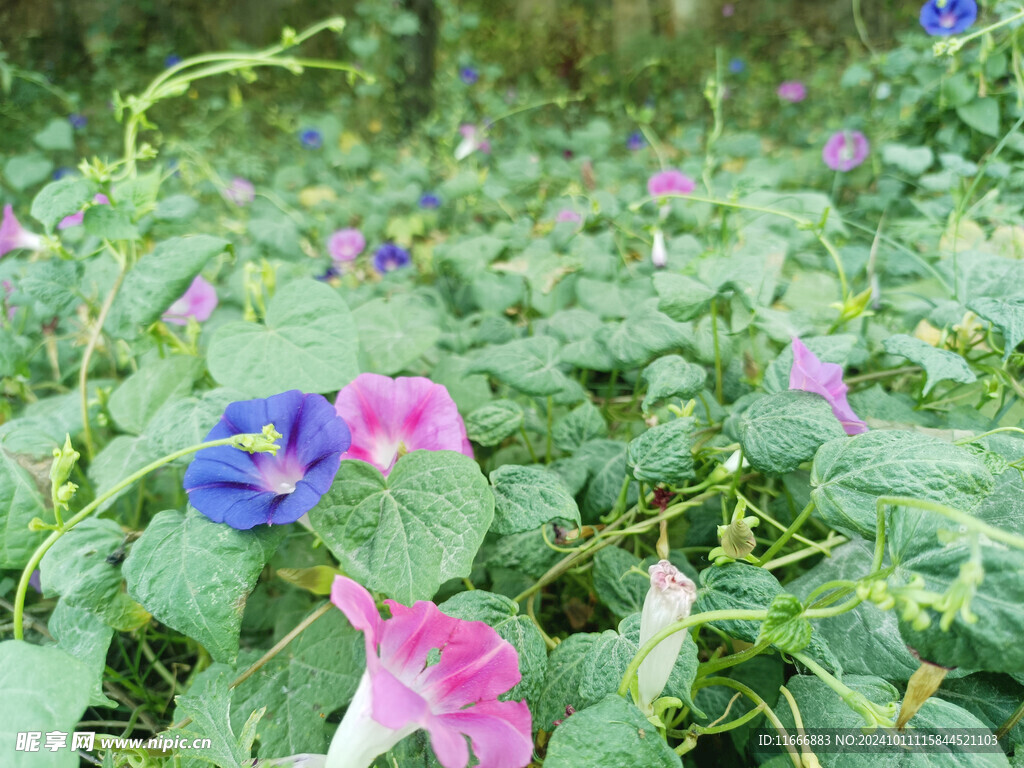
(346, 244)
(240, 191)
(568, 215)
(244, 490)
(948, 17)
(670, 182)
(198, 301)
(401, 691)
(311, 138)
(430, 201)
(75, 219)
(845, 150)
(390, 257)
(390, 417)
(14, 236)
(826, 379)
(792, 91)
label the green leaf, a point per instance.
(316, 674)
(194, 575)
(176, 207)
(645, 334)
(528, 365)
(610, 734)
(528, 497)
(110, 222)
(121, 457)
(84, 568)
(663, 454)
(158, 280)
(20, 501)
(982, 115)
(738, 586)
(582, 423)
(785, 628)
(394, 333)
(606, 463)
(183, 422)
(682, 298)
(57, 135)
(59, 199)
(135, 402)
(608, 659)
(562, 680)
(849, 474)
(911, 160)
(1005, 314)
(938, 364)
(406, 534)
(45, 689)
(990, 698)
(490, 424)
(672, 376)
(53, 284)
(84, 636)
(208, 703)
(307, 343)
(779, 432)
(24, 171)
(501, 613)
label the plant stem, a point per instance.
(718, 353)
(787, 534)
(1011, 721)
(94, 337)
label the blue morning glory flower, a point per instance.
(311, 138)
(737, 65)
(948, 17)
(430, 200)
(78, 122)
(61, 172)
(469, 75)
(244, 490)
(172, 61)
(390, 257)
(635, 141)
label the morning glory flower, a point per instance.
(792, 91)
(391, 417)
(76, 219)
(401, 692)
(737, 65)
(311, 138)
(198, 301)
(78, 122)
(568, 215)
(390, 257)
(468, 75)
(472, 140)
(809, 374)
(14, 236)
(845, 150)
(240, 191)
(728, 10)
(430, 201)
(670, 182)
(172, 60)
(669, 600)
(635, 141)
(659, 251)
(61, 172)
(244, 490)
(346, 244)
(948, 17)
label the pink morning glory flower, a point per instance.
(826, 379)
(240, 191)
(390, 417)
(346, 244)
(472, 141)
(14, 236)
(75, 219)
(845, 150)
(670, 182)
(401, 692)
(198, 301)
(568, 215)
(792, 91)
(669, 600)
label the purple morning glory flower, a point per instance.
(430, 201)
(243, 489)
(635, 141)
(845, 150)
(948, 17)
(346, 244)
(78, 122)
(330, 274)
(567, 215)
(469, 75)
(172, 60)
(737, 65)
(390, 257)
(240, 191)
(792, 91)
(311, 138)
(826, 379)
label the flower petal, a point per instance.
(476, 665)
(356, 603)
(394, 704)
(499, 732)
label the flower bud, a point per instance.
(63, 463)
(669, 600)
(659, 252)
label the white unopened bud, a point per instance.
(669, 600)
(659, 252)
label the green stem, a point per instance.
(42, 549)
(551, 416)
(1011, 721)
(718, 355)
(787, 534)
(995, 534)
(716, 665)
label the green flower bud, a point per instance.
(262, 443)
(64, 460)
